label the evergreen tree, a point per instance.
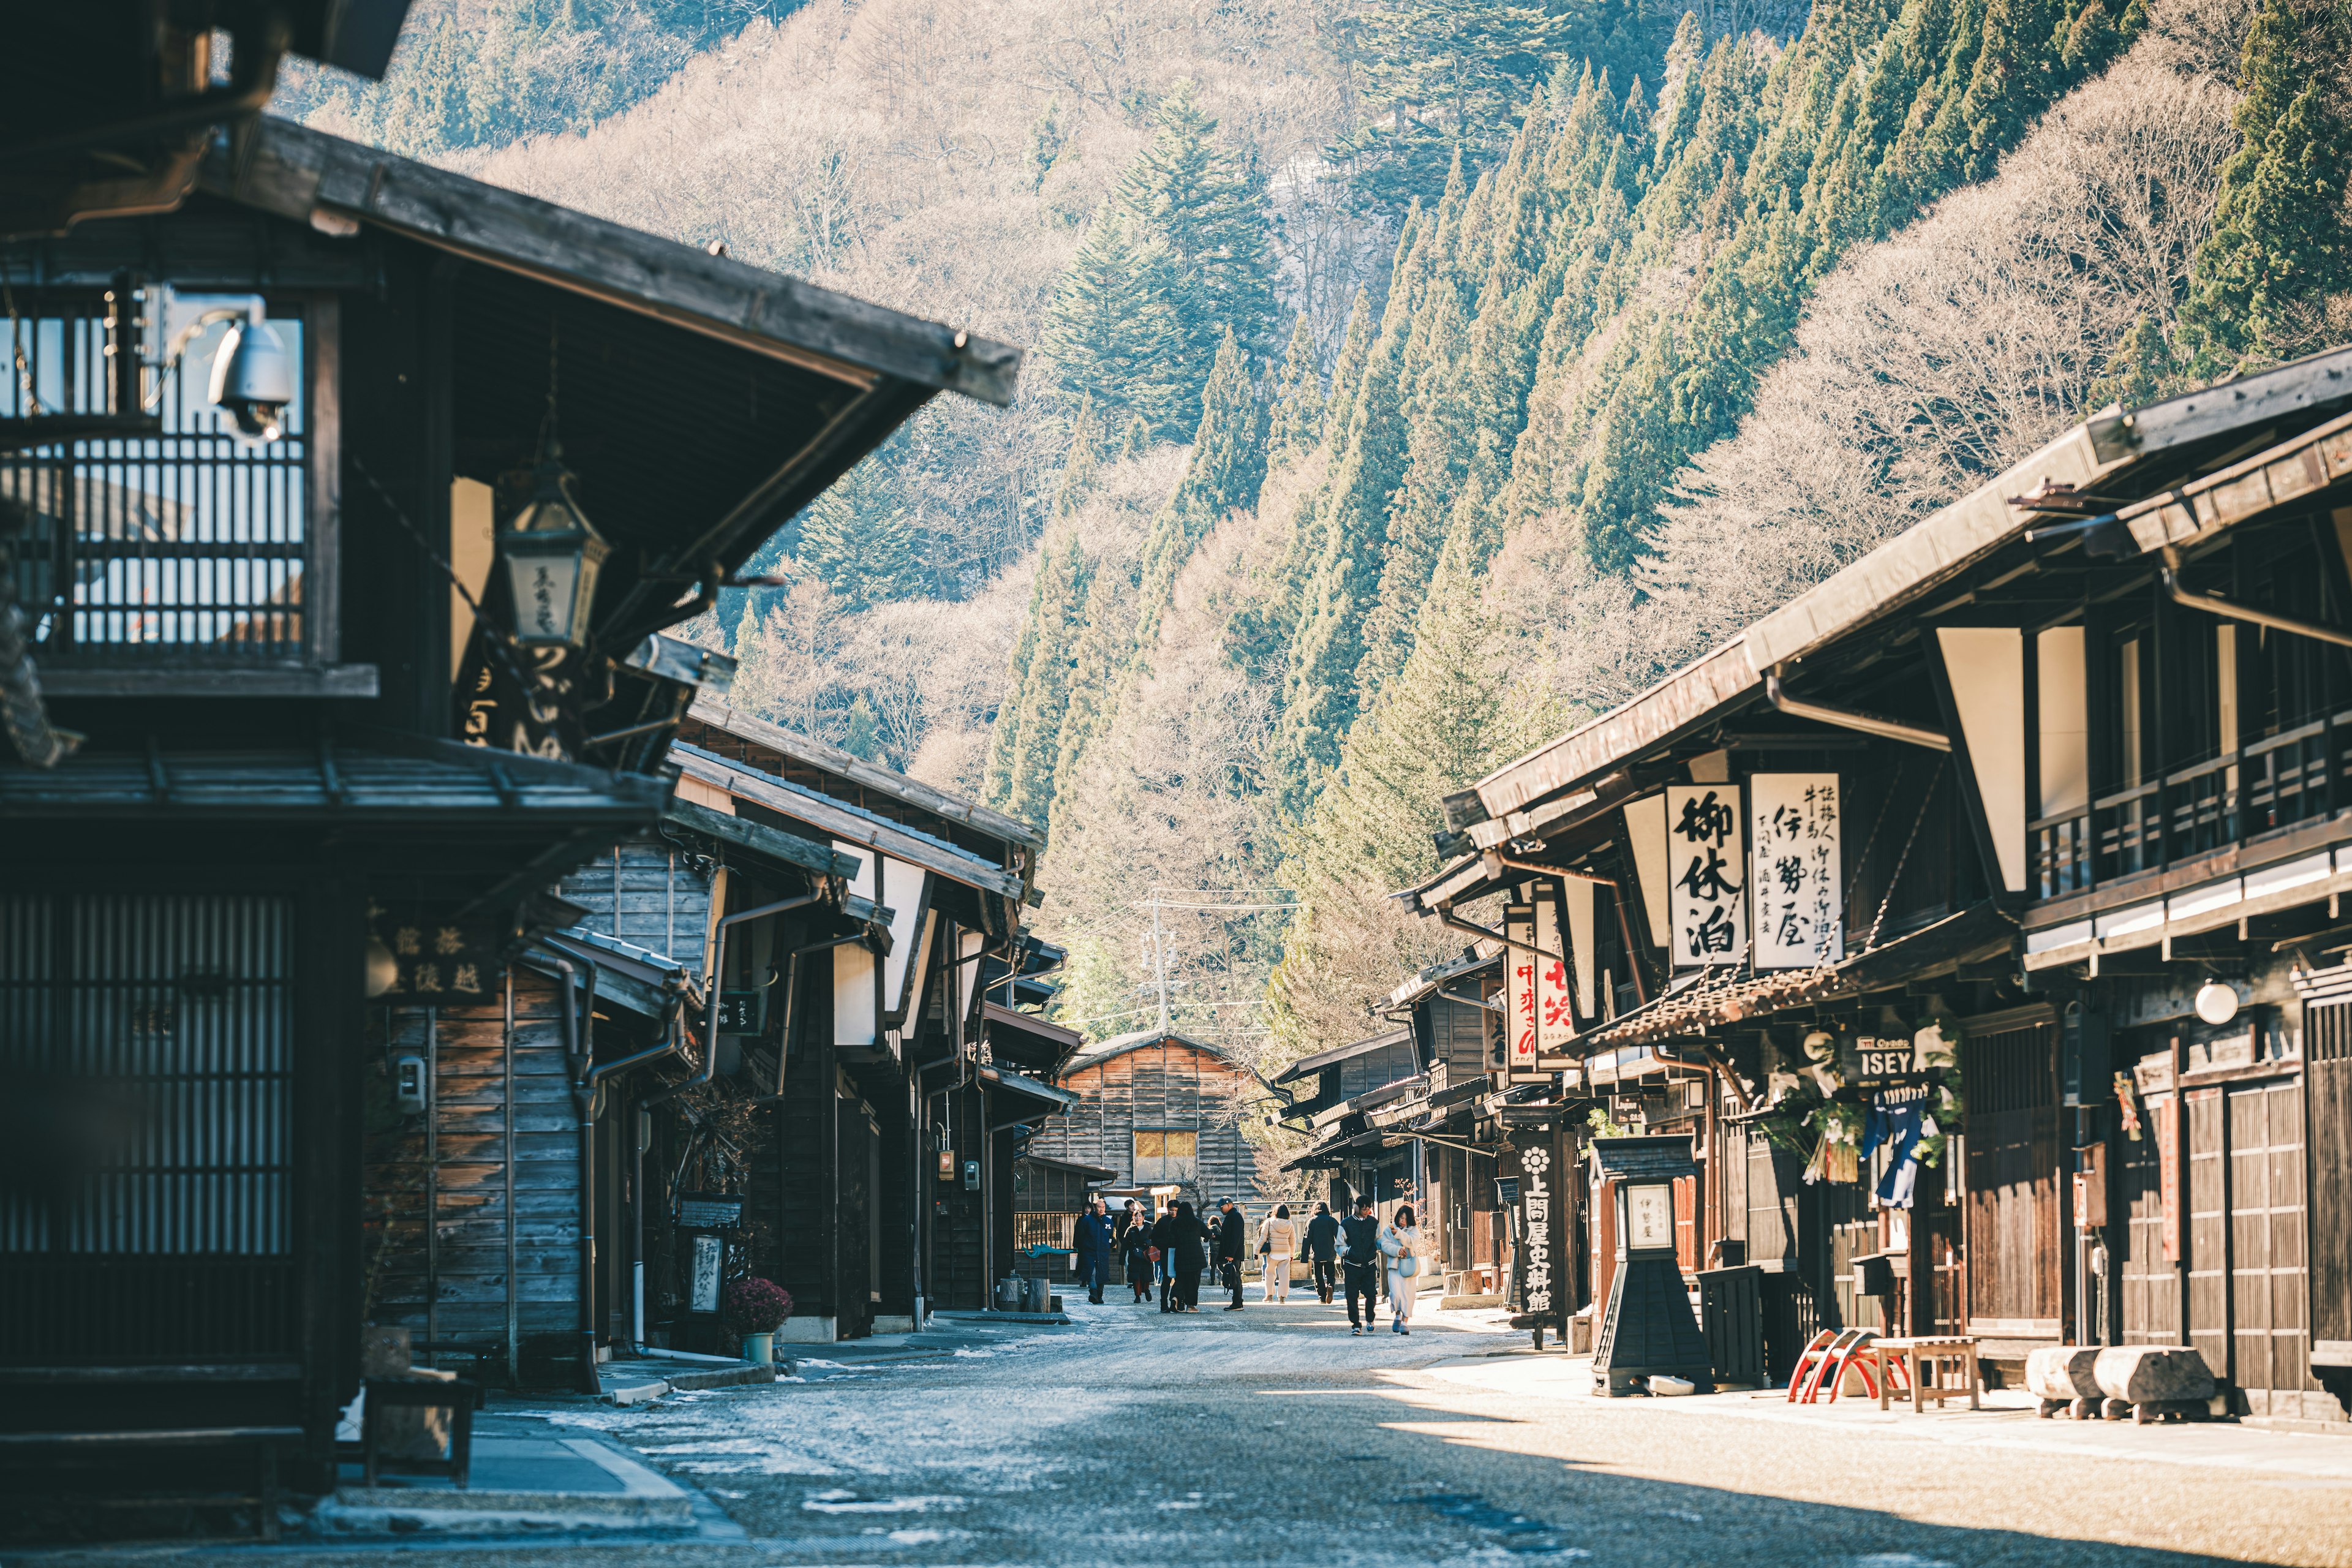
(1083, 462)
(1227, 465)
(861, 542)
(1111, 334)
(1025, 745)
(1204, 213)
(1438, 459)
(2278, 238)
(1297, 424)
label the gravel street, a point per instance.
(1272, 1436)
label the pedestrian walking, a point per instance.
(1322, 1252)
(1136, 1253)
(1164, 1242)
(1189, 1258)
(1400, 1244)
(1090, 1238)
(1359, 1264)
(1232, 1242)
(1277, 1243)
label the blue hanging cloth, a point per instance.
(1898, 1117)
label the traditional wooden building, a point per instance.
(2028, 821)
(1164, 1111)
(281, 802)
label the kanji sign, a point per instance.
(1519, 1022)
(1796, 869)
(438, 960)
(1555, 1011)
(1707, 903)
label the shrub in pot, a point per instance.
(756, 1309)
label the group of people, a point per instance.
(1173, 1250)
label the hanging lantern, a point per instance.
(553, 558)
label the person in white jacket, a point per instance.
(1278, 1241)
(1399, 1240)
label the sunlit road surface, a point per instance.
(1273, 1435)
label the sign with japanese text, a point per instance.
(1519, 1020)
(1544, 1190)
(437, 960)
(523, 700)
(1555, 1012)
(1706, 903)
(1796, 869)
(742, 1012)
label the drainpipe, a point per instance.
(2231, 610)
(583, 1100)
(710, 1069)
(1886, 729)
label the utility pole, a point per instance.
(1160, 960)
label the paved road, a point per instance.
(1272, 1436)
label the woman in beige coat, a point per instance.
(1277, 1240)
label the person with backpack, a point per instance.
(1322, 1252)
(1233, 1237)
(1190, 1253)
(1278, 1241)
(1359, 1264)
(1400, 1244)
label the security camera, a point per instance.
(253, 381)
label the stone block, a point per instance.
(2143, 1374)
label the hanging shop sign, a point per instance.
(1707, 903)
(1555, 1010)
(1795, 868)
(1542, 1190)
(742, 1012)
(428, 957)
(1520, 993)
(525, 699)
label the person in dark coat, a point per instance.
(1361, 1262)
(1233, 1243)
(1190, 1255)
(1163, 1236)
(1323, 1251)
(1090, 1238)
(1135, 1252)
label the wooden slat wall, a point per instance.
(2207, 1230)
(2327, 1078)
(645, 893)
(2269, 1321)
(469, 1297)
(2014, 1246)
(1165, 1085)
(2150, 1281)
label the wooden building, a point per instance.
(1164, 1111)
(282, 809)
(2031, 820)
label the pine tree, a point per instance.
(1226, 467)
(2279, 237)
(861, 542)
(1204, 215)
(1438, 459)
(1083, 462)
(1111, 335)
(1297, 422)
(1025, 745)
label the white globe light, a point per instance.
(2217, 1003)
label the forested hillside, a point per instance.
(1411, 378)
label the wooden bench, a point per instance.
(458, 1397)
(1925, 1363)
(266, 1441)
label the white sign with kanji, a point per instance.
(1519, 991)
(1706, 897)
(1796, 870)
(1555, 1014)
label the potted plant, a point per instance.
(756, 1309)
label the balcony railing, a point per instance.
(2294, 776)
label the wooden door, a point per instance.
(853, 1170)
(2207, 1233)
(2327, 1097)
(1774, 1177)
(2148, 1278)
(2014, 1240)
(2270, 1330)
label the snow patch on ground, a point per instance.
(850, 1502)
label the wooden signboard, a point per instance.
(1519, 1020)
(1706, 901)
(1796, 869)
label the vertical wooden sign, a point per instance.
(1796, 869)
(1555, 1011)
(1519, 1021)
(2168, 1156)
(1706, 901)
